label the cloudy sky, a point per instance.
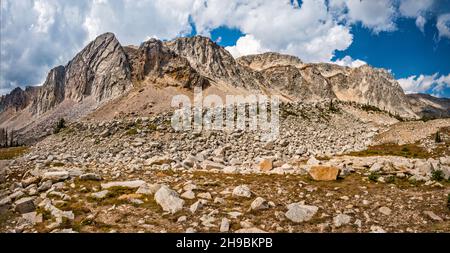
(409, 37)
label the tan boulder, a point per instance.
(265, 165)
(324, 173)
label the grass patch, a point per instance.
(58, 164)
(390, 179)
(437, 175)
(5, 218)
(11, 153)
(132, 131)
(407, 150)
(373, 177)
(152, 127)
(46, 215)
(112, 196)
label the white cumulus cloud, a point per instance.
(246, 45)
(420, 23)
(433, 84)
(308, 31)
(443, 25)
(348, 61)
(377, 15)
(416, 9)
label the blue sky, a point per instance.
(409, 37)
(406, 51)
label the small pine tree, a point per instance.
(11, 142)
(437, 138)
(59, 125)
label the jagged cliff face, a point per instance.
(154, 61)
(312, 82)
(297, 84)
(214, 62)
(18, 99)
(367, 85)
(51, 93)
(263, 61)
(428, 106)
(100, 70)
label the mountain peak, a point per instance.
(269, 59)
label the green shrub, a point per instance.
(437, 175)
(373, 176)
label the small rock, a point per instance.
(126, 184)
(385, 210)
(148, 189)
(25, 205)
(224, 225)
(210, 165)
(45, 186)
(56, 176)
(259, 204)
(312, 161)
(376, 167)
(16, 195)
(29, 181)
(188, 195)
(168, 200)
(218, 200)
(377, 229)
(100, 194)
(33, 217)
(189, 187)
(432, 216)
(300, 213)
(136, 201)
(182, 219)
(158, 160)
(230, 170)
(265, 165)
(197, 205)
(204, 195)
(341, 219)
(234, 215)
(190, 230)
(242, 191)
(91, 176)
(250, 231)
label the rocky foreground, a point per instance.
(139, 175)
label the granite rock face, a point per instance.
(51, 93)
(17, 99)
(101, 69)
(153, 59)
(215, 63)
(428, 106)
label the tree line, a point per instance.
(7, 138)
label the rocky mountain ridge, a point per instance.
(105, 70)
